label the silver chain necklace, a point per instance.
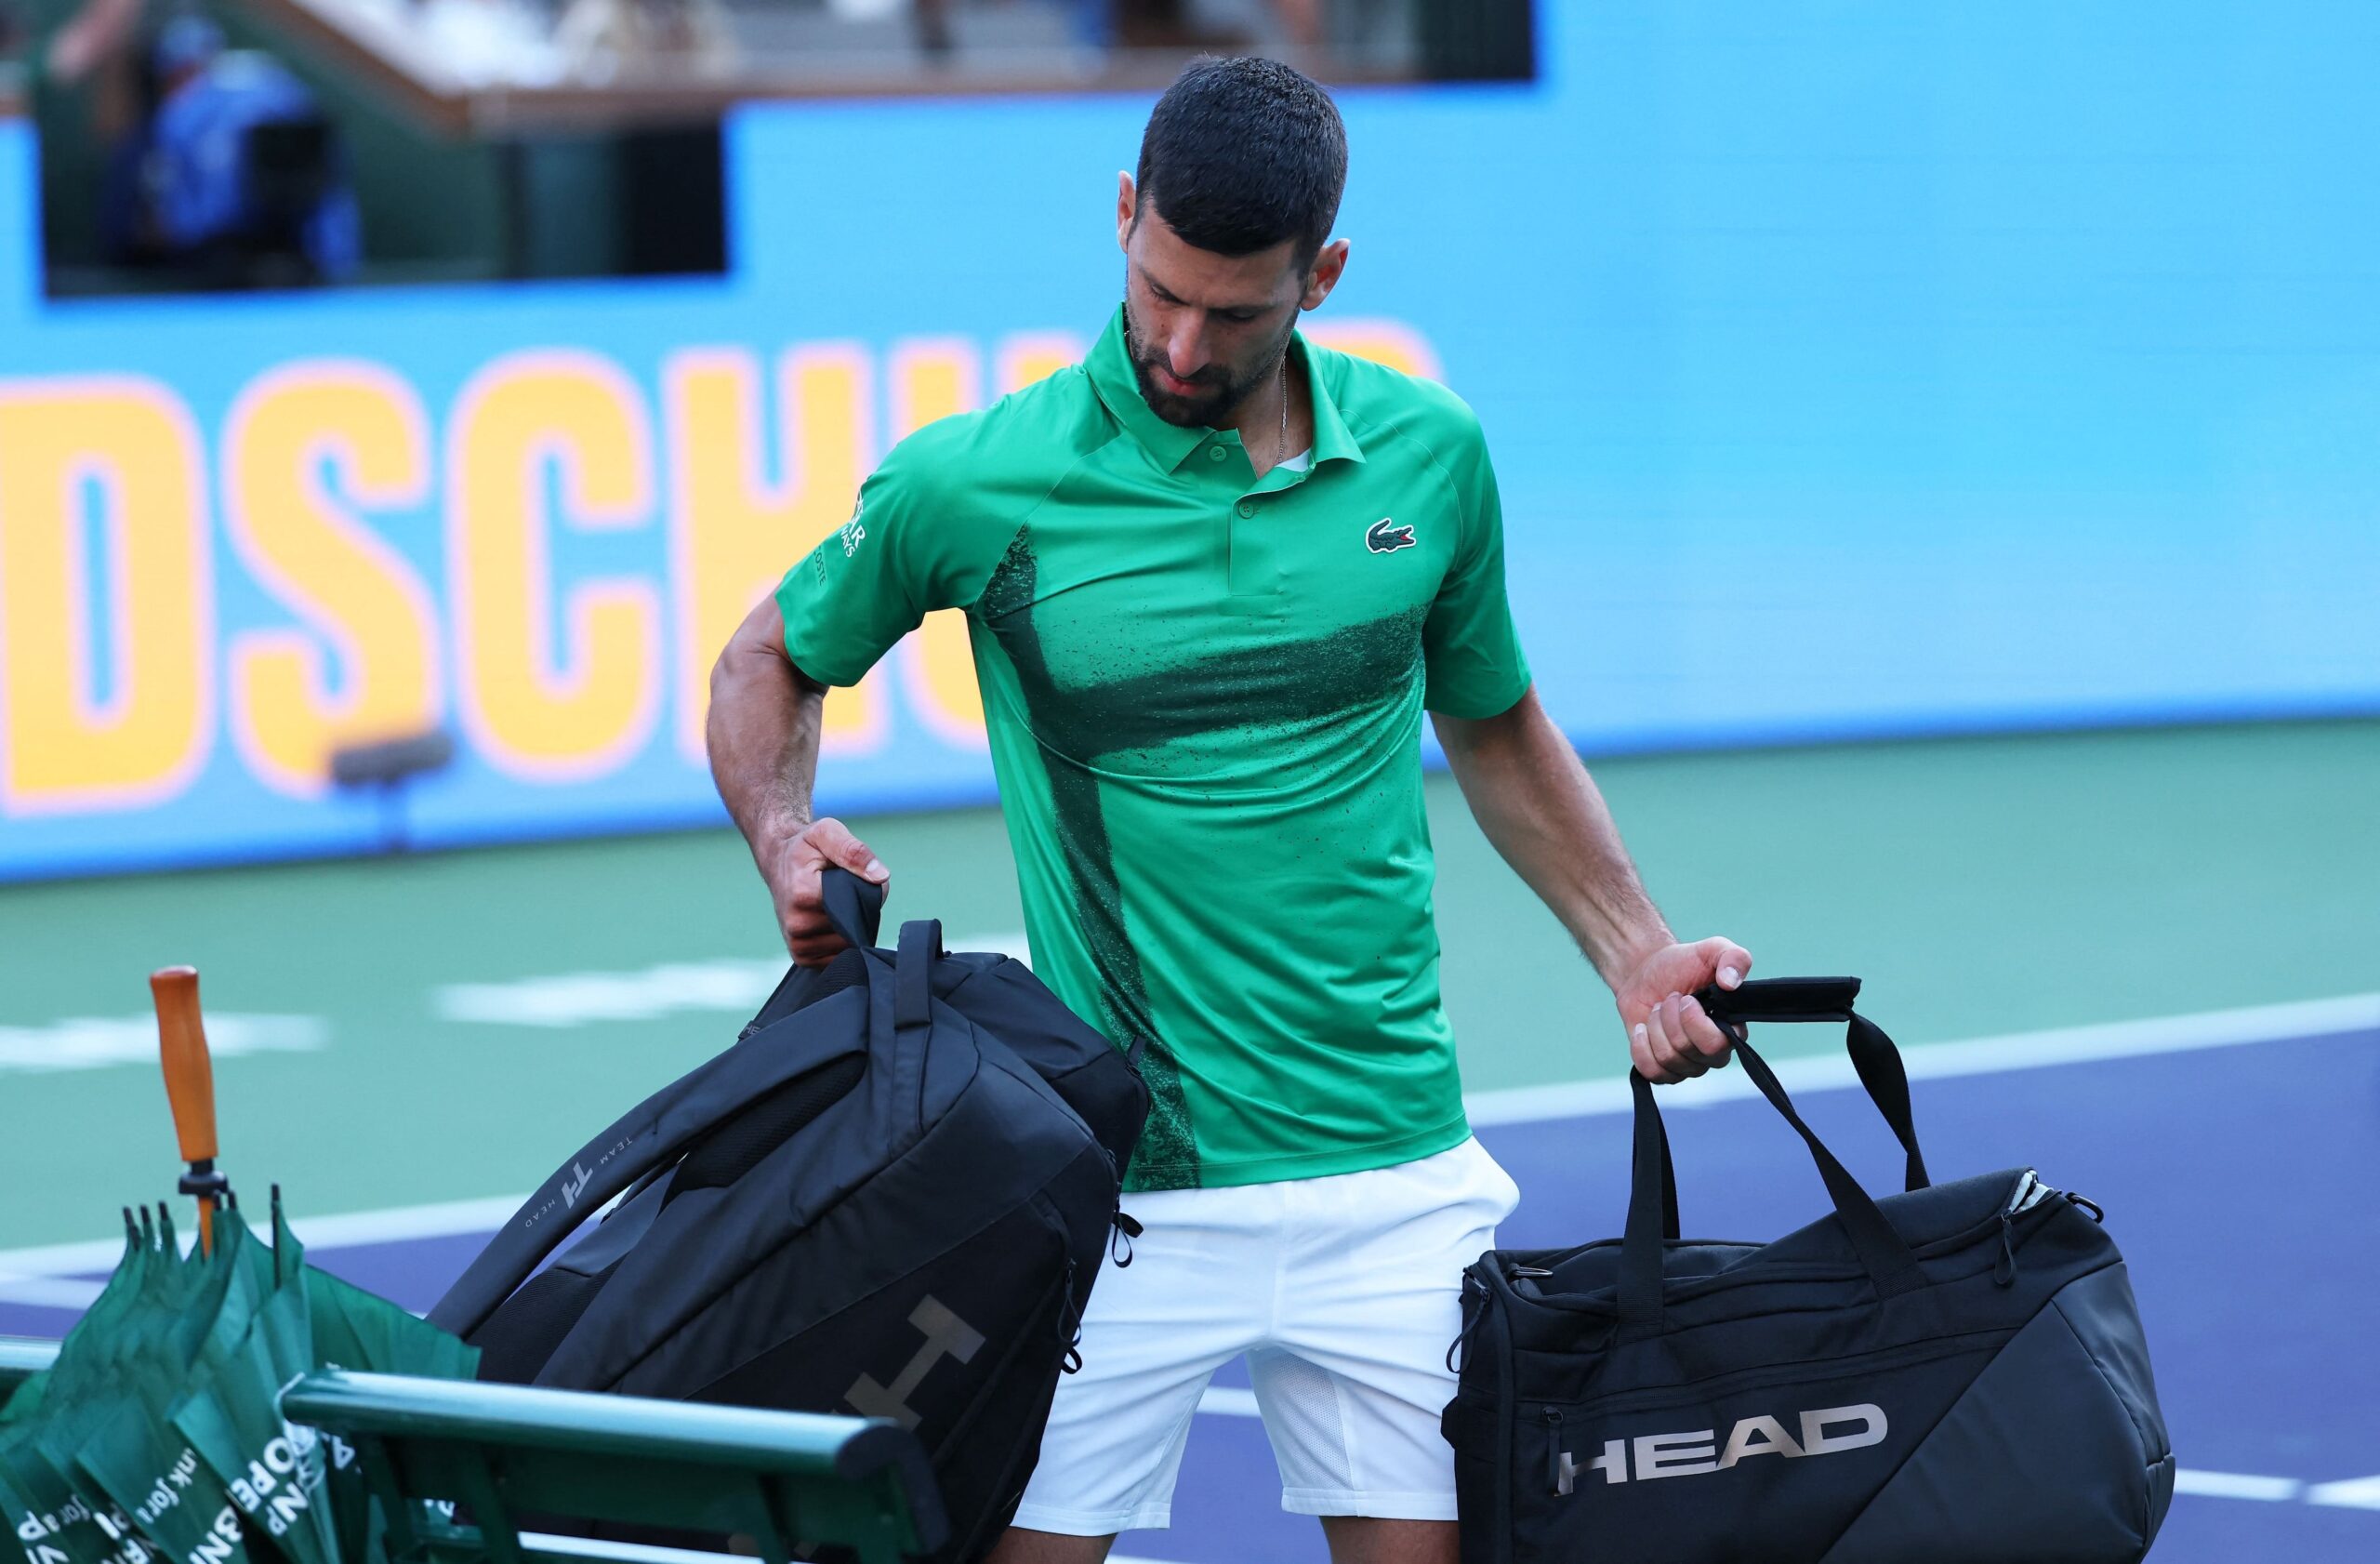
(1282, 446)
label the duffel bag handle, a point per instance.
(855, 906)
(1872, 1054)
(1652, 1203)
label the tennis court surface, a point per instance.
(2235, 1152)
(415, 1042)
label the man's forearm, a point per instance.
(762, 735)
(1545, 815)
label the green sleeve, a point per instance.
(870, 581)
(1471, 650)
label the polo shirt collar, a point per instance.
(1332, 440)
(1112, 376)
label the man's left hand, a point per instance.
(1670, 1038)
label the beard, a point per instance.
(1220, 389)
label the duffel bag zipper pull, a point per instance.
(1552, 1416)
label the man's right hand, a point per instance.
(792, 872)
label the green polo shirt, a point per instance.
(1204, 693)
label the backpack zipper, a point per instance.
(1069, 1323)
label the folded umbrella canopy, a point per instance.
(352, 1328)
(229, 1408)
(127, 1446)
(157, 1434)
(58, 1519)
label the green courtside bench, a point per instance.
(781, 1483)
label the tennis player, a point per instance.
(1214, 575)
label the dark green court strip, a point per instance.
(1980, 886)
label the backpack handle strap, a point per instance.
(913, 971)
(855, 906)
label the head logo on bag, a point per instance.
(573, 1186)
(946, 1336)
(1686, 1455)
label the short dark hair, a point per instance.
(1242, 154)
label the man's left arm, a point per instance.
(1534, 799)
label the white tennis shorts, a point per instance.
(1343, 1292)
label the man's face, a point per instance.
(1206, 330)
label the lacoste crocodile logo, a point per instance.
(1385, 537)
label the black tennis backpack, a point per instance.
(1955, 1374)
(889, 1197)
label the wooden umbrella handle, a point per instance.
(190, 1087)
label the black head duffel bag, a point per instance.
(889, 1197)
(1954, 1376)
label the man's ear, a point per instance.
(1126, 203)
(1329, 267)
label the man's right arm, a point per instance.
(764, 740)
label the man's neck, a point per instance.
(1275, 420)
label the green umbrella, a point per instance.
(160, 1428)
(231, 1415)
(56, 1518)
(157, 1437)
(358, 1330)
(193, 1317)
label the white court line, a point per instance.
(447, 1219)
(2235, 1485)
(2358, 1493)
(730, 984)
(2019, 1050)
(2362, 1494)
(90, 1042)
(49, 1291)
(1935, 1061)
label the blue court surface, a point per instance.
(2237, 1156)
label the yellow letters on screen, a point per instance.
(1384, 341)
(75, 738)
(1029, 357)
(362, 606)
(734, 531)
(529, 712)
